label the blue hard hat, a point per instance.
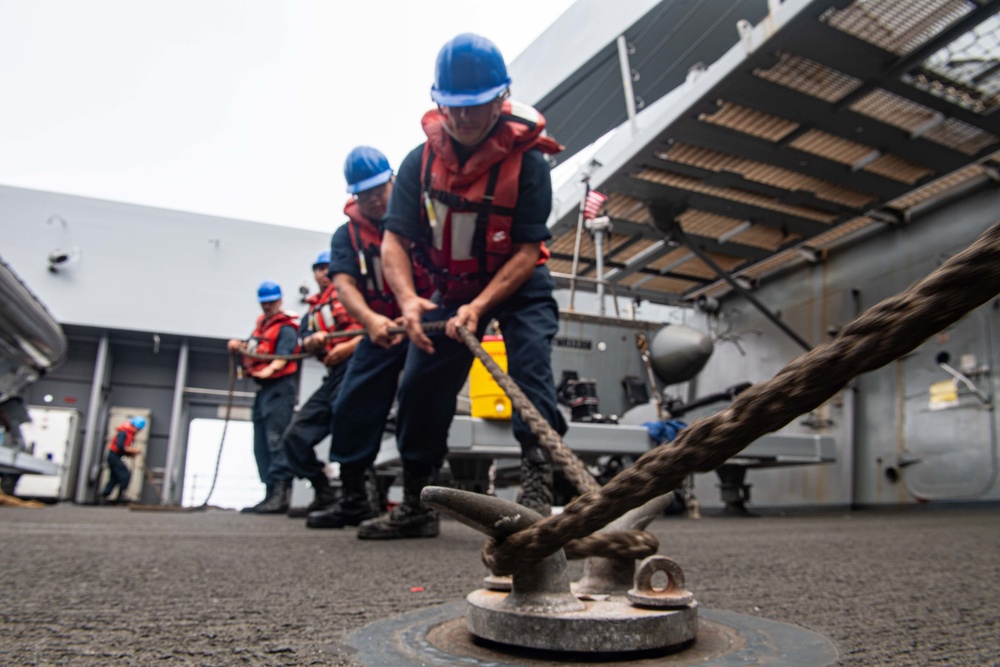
(138, 422)
(470, 71)
(322, 258)
(366, 168)
(268, 291)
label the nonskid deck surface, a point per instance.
(107, 586)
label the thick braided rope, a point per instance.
(430, 327)
(272, 357)
(623, 544)
(885, 332)
(572, 466)
(635, 544)
(225, 427)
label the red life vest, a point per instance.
(473, 203)
(327, 314)
(264, 340)
(129, 432)
(366, 239)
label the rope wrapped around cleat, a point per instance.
(635, 544)
(271, 357)
(620, 544)
(883, 333)
(430, 327)
(562, 455)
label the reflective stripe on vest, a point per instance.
(468, 208)
(366, 239)
(327, 314)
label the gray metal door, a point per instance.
(949, 419)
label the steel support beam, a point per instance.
(90, 458)
(176, 441)
(666, 222)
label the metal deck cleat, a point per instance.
(540, 612)
(671, 596)
(615, 576)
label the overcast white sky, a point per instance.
(238, 108)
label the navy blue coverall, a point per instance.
(314, 420)
(119, 473)
(369, 385)
(272, 412)
(529, 319)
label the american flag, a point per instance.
(592, 206)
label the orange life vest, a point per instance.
(468, 239)
(129, 430)
(327, 314)
(366, 239)
(264, 340)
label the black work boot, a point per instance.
(277, 502)
(326, 495)
(269, 489)
(410, 519)
(350, 510)
(373, 488)
(536, 483)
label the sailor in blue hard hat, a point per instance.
(122, 445)
(472, 202)
(369, 180)
(275, 334)
(314, 419)
(470, 83)
(370, 382)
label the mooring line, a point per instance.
(885, 332)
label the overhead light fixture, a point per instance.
(866, 160)
(58, 258)
(810, 254)
(708, 304)
(924, 128)
(735, 231)
(882, 215)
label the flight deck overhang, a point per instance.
(826, 119)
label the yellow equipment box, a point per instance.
(489, 401)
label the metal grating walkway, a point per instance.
(826, 119)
